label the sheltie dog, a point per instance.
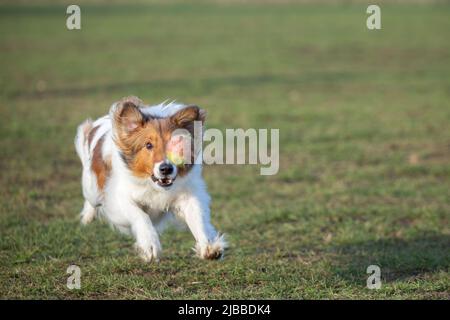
(129, 179)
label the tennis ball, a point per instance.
(175, 150)
(176, 158)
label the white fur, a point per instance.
(125, 197)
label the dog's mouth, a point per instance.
(163, 182)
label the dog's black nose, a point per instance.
(166, 169)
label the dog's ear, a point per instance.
(202, 115)
(185, 117)
(126, 115)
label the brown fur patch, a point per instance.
(87, 127)
(100, 166)
(92, 135)
(139, 159)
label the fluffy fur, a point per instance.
(122, 154)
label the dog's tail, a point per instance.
(81, 141)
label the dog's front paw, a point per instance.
(149, 253)
(212, 250)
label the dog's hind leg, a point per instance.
(88, 213)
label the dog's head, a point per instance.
(147, 144)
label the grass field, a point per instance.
(364, 147)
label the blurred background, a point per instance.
(364, 145)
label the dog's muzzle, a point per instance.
(164, 174)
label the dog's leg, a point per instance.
(88, 213)
(194, 209)
(147, 240)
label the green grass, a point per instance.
(364, 142)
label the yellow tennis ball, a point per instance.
(175, 158)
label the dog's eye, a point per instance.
(149, 145)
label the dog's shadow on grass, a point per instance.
(398, 259)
